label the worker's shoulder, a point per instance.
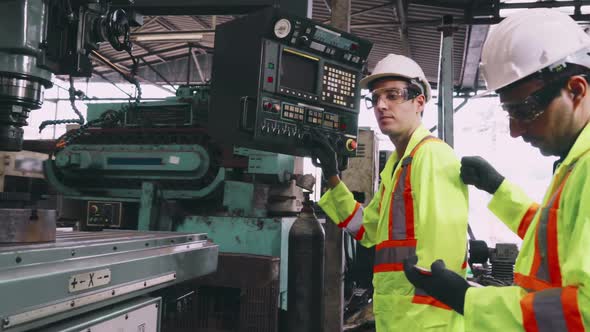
(435, 147)
(582, 166)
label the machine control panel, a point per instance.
(297, 78)
(104, 214)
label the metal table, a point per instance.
(83, 271)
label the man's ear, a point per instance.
(421, 100)
(578, 87)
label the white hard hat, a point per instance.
(400, 66)
(529, 41)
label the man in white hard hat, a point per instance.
(538, 62)
(421, 206)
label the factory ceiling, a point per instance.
(410, 27)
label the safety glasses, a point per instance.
(534, 105)
(391, 95)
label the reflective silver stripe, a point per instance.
(543, 272)
(393, 255)
(549, 311)
(354, 225)
(398, 209)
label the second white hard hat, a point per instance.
(399, 66)
(529, 41)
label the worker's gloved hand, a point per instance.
(440, 283)
(322, 153)
(478, 172)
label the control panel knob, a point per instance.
(303, 40)
(351, 144)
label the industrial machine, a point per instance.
(151, 179)
(220, 158)
(67, 281)
(153, 166)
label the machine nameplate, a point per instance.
(81, 301)
(88, 280)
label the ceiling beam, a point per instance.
(201, 22)
(400, 13)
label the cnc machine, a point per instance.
(151, 178)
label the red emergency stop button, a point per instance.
(351, 144)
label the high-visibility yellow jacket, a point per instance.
(552, 272)
(421, 208)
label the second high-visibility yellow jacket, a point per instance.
(421, 208)
(552, 272)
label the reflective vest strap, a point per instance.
(569, 300)
(401, 215)
(552, 248)
(546, 258)
(530, 283)
(390, 255)
(554, 309)
(528, 315)
(397, 213)
(421, 297)
(397, 243)
(408, 200)
(527, 219)
(409, 204)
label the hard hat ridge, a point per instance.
(532, 41)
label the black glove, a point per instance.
(441, 283)
(322, 150)
(478, 172)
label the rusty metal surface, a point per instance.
(27, 225)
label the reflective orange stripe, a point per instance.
(530, 283)
(429, 300)
(396, 243)
(527, 219)
(553, 309)
(528, 313)
(537, 255)
(392, 267)
(569, 300)
(409, 204)
(347, 220)
(359, 235)
(552, 249)
(392, 206)
(406, 211)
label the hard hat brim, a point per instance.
(365, 82)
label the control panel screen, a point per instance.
(332, 38)
(299, 71)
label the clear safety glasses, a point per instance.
(391, 95)
(534, 105)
